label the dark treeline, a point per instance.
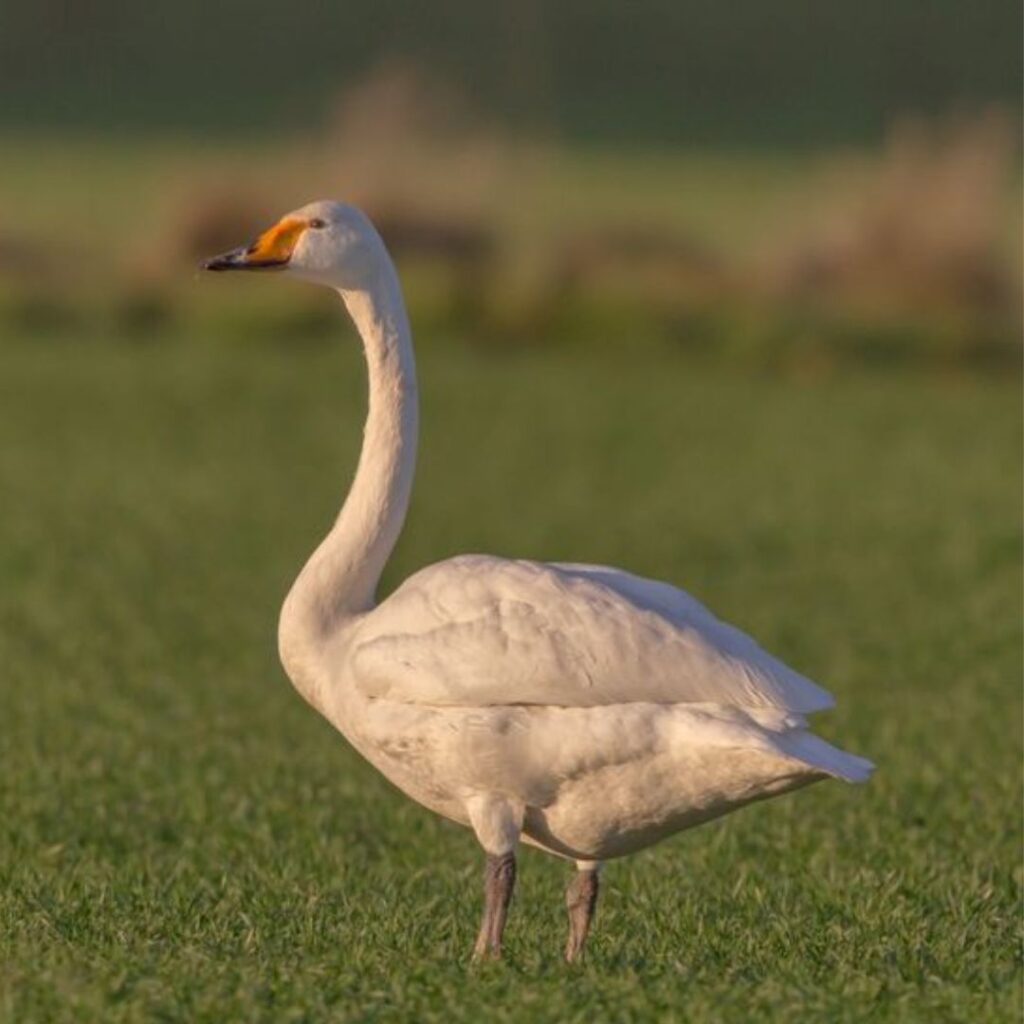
(747, 72)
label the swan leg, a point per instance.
(497, 823)
(580, 901)
(499, 881)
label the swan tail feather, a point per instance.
(815, 751)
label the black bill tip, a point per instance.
(241, 259)
(234, 260)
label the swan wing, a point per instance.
(478, 631)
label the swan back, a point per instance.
(477, 631)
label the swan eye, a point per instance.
(318, 222)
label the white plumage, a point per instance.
(580, 708)
(476, 629)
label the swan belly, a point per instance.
(622, 809)
(595, 783)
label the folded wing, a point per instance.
(478, 631)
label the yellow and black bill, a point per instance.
(271, 251)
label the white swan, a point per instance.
(579, 708)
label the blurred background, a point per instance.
(728, 294)
(791, 186)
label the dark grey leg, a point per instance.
(580, 900)
(499, 880)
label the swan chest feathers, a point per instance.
(614, 710)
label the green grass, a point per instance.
(182, 839)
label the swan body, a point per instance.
(617, 710)
(584, 710)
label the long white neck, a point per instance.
(340, 579)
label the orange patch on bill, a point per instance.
(275, 245)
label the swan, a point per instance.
(578, 708)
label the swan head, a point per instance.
(327, 242)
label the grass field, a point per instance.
(182, 839)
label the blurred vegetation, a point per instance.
(794, 185)
(802, 262)
(690, 71)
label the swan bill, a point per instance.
(271, 251)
